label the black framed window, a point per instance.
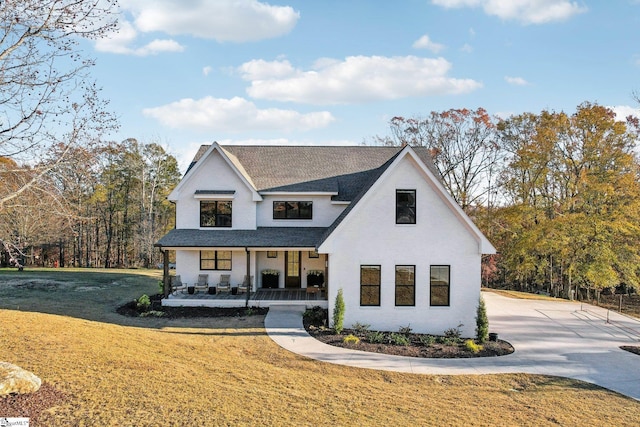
(405, 285)
(440, 285)
(272, 254)
(215, 260)
(215, 213)
(405, 206)
(370, 285)
(314, 254)
(292, 210)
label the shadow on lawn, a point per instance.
(98, 294)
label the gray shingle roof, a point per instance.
(342, 170)
(267, 237)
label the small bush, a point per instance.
(406, 330)
(152, 313)
(338, 313)
(315, 316)
(143, 303)
(427, 340)
(361, 328)
(399, 339)
(375, 337)
(482, 322)
(351, 339)
(453, 333)
(160, 287)
(471, 346)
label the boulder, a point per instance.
(15, 380)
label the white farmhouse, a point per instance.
(303, 222)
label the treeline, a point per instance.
(558, 194)
(103, 206)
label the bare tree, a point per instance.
(463, 146)
(47, 99)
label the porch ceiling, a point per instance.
(265, 237)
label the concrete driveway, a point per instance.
(558, 338)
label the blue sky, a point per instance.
(188, 72)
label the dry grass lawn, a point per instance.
(211, 372)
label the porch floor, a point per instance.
(261, 298)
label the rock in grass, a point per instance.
(15, 380)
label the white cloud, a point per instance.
(222, 20)
(357, 79)
(121, 40)
(524, 11)
(425, 42)
(623, 111)
(516, 81)
(467, 48)
(206, 70)
(235, 114)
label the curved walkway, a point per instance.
(558, 338)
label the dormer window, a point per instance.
(292, 210)
(215, 213)
(405, 206)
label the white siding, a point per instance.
(371, 236)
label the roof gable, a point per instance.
(197, 165)
(484, 245)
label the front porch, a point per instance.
(260, 298)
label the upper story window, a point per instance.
(405, 206)
(215, 213)
(292, 210)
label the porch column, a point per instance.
(250, 285)
(166, 280)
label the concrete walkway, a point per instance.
(558, 338)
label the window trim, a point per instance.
(406, 190)
(272, 254)
(216, 260)
(379, 285)
(216, 214)
(286, 210)
(447, 286)
(412, 286)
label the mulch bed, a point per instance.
(129, 309)
(631, 349)
(415, 348)
(31, 405)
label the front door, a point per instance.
(292, 269)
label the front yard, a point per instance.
(115, 370)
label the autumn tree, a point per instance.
(573, 193)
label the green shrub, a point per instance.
(427, 340)
(471, 346)
(361, 328)
(351, 339)
(405, 329)
(338, 313)
(143, 303)
(152, 313)
(453, 333)
(399, 339)
(160, 287)
(375, 337)
(316, 316)
(482, 322)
